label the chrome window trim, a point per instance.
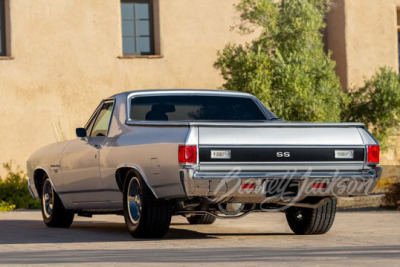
(112, 114)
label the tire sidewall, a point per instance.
(59, 217)
(315, 220)
(46, 219)
(129, 224)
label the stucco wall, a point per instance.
(335, 38)
(65, 60)
(363, 36)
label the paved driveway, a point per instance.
(357, 238)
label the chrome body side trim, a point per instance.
(269, 124)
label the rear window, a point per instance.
(195, 108)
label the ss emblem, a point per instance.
(283, 154)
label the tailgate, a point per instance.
(280, 147)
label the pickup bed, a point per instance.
(202, 154)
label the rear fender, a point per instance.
(139, 170)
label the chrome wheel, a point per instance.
(145, 215)
(134, 200)
(48, 198)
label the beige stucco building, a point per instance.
(363, 35)
(59, 58)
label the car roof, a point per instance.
(179, 91)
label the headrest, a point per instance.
(163, 108)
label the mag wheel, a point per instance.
(53, 211)
(306, 221)
(145, 216)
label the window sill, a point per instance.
(6, 58)
(138, 56)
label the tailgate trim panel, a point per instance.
(271, 154)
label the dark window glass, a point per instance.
(195, 108)
(137, 27)
(2, 29)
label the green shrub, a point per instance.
(377, 104)
(14, 189)
(5, 207)
(286, 67)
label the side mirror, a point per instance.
(81, 132)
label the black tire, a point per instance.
(53, 211)
(201, 219)
(306, 221)
(150, 218)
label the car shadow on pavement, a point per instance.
(34, 231)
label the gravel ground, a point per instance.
(357, 238)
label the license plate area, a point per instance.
(281, 188)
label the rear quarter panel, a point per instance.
(151, 150)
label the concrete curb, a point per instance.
(376, 200)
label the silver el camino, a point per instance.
(202, 154)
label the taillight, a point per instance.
(248, 186)
(187, 154)
(373, 155)
(319, 185)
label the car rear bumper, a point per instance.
(276, 187)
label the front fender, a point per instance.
(33, 182)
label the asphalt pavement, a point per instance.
(369, 238)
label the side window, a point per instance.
(89, 127)
(90, 123)
(102, 122)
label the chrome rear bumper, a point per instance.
(275, 187)
(283, 175)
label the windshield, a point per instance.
(195, 108)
